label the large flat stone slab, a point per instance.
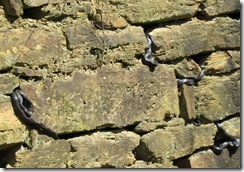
(196, 37)
(217, 97)
(104, 149)
(34, 49)
(53, 154)
(218, 7)
(110, 97)
(168, 144)
(155, 11)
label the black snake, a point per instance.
(148, 59)
(224, 140)
(191, 81)
(23, 108)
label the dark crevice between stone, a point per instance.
(174, 61)
(224, 140)
(38, 13)
(28, 78)
(107, 166)
(66, 136)
(141, 152)
(131, 127)
(5, 70)
(202, 119)
(200, 57)
(217, 48)
(140, 57)
(149, 26)
(184, 162)
(7, 156)
(235, 15)
(202, 15)
(235, 115)
(34, 13)
(72, 149)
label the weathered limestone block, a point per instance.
(54, 154)
(232, 126)
(174, 142)
(8, 83)
(12, 131)
(217, 97)
(187, 68)
(220, 62)
(155, 11)
(187, 102)
(124, 44)
(30, 48)
(104, 149)
(217, 7)
(109, 46)
(207, 159)
(196, 37)
(63, 9)
(82, 35)
(110, 97)
(130, 35)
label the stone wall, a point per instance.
(80, 64)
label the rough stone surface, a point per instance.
(207, 159)
(12, 132)
(8, 83)
(187, 68)
(217, 97)
(175, 142)
(80, 63)
(155, 11)
(41, 50)
(4, 23)
(54, 154)
(187, 102)
(90, 100)
(219, 63)
(104, 149)
(235, 55)
(106, 16)
(104, 46)
(196, 37)
(232, 126)
(217, 7)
